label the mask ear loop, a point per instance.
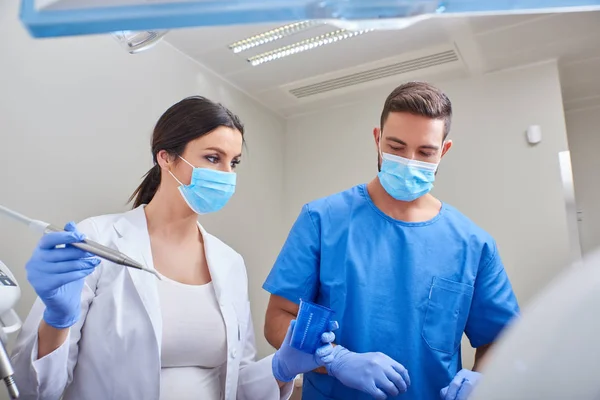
(186, 161)
(379, 145)
(173, 175)
(441, 156)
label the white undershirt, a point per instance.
(194, 343)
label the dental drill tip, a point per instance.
(153, 272)
(129, 262)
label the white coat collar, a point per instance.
(133, 240)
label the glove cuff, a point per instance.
(57, 322)
(338, 351)
(278, 368)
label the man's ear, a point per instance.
(377, 136)
(446, 146)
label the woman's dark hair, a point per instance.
(183, 122)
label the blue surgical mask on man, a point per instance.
(209, 189)
(405, 179)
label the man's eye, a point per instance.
(395, 148)
(426, 154)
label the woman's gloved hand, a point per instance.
(57, 275)
(289, 362)
(373, 373)
(461, 386)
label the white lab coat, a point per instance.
(113, 352)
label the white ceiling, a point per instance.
(484, 44)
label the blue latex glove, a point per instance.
(461, 386)
(57, 275)
(373, 373)
(289, 362)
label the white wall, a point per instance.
(491, 174)
(583, 130)
(76, 117)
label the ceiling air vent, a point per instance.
(361, 76)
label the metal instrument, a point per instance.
(10, 293)
(87, 245)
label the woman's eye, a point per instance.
(213, 159)
(235, 163)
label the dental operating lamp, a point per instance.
(139, 24)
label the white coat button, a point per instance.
(233, 353)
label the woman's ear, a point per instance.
(164, 159)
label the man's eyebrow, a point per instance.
(402, 142)
(396, 140)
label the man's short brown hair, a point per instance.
(419, 98)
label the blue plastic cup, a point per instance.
(312, 321)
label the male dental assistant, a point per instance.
(405, 273)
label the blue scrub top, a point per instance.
(408, 290)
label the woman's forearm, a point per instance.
(50, 339)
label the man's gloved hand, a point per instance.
(289, 362)
(373, 373)
(57, 275)
(461, 386)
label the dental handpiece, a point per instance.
(86, 245)
(104, 252)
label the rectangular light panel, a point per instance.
(304, 45)
(272, 35)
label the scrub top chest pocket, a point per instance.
(446, 315)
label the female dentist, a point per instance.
(100, 331)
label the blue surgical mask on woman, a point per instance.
(209, 189)
(405, 179)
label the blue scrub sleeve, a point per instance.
(295, 274)
(494, 303)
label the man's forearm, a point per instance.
(277, 326)
(480, 356)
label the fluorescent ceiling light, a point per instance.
(272, 35)
(305, 45)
